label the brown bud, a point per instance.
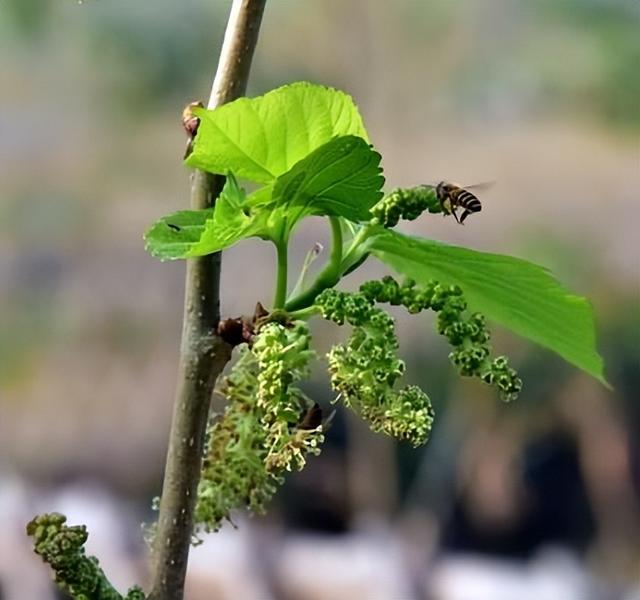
(236, 331)
(190, 123)
(260, 312)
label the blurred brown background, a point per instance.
(538, 499)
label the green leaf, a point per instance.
(190, 233)
(176, 234)
(261, 138)
(520, 295)
(340, 178)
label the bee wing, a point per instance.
(479, 187)
(485, 185)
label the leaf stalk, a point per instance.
(282, 249)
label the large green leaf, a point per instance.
(340, 178)
(522, 296)
(190, 233)
(261, 138)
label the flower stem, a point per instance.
(282, 247)
(328, 277)
(304, 313)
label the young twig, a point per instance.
(203, 354)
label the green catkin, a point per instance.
(365, 369)
(407, 204)
(256, 441)
(466, 332)
(283, 356)
(77, 574)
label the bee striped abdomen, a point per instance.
(469, 202)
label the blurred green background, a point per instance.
(540, 96)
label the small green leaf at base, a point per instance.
(520, 295)
(190, 233)
(177, 234)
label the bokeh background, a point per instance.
(538, 499)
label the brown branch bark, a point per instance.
(203, 354)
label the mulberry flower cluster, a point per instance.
(258, 438)
(283, 356)
(365, 369)
(407, 204)
(62, 547)
(467, 333)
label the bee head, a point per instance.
(443, 189)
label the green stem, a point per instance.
(328, 277)
(282, 276)
(304, 313)
(354, 255)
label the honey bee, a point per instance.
(452, 197)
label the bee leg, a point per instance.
(455, 215)
(465, 214)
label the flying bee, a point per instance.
(452, 197)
